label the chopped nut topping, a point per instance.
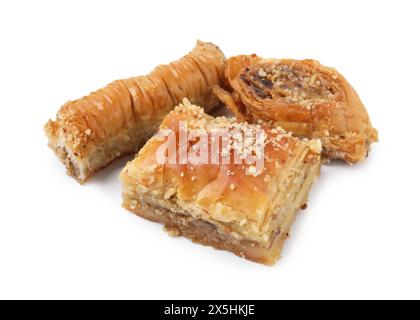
(293, 84)
(262, 73)
(169, 193)
(133, 204)
(315, 146)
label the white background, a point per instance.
(360, 236)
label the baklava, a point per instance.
(238, 189)
(304, 97)
(117, 120)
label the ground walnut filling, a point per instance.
(290, 84)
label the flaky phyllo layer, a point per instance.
(305, 98)
(243, 207)
(116, 120)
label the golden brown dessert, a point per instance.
(117, 120)
(243, 207)
(304, 97)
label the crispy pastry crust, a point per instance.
(116, 120)
(227, 206)
(304, 97)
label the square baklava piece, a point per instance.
(234, 186)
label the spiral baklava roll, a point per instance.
(304, 97)
(89, 133)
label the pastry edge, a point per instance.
(267, 256)
(83, 166)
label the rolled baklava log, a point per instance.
(304, 97)
(89, 133)
(243, 207)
